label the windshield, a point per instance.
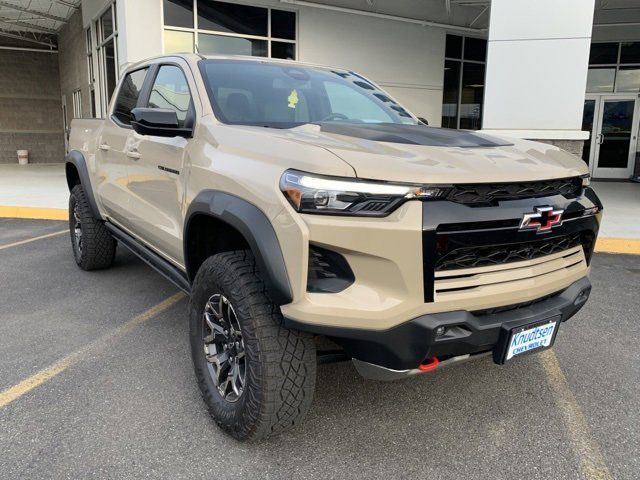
(284, 96)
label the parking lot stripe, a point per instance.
(15, 392)
(29, 240)
(592, 464)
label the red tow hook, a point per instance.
(429, 364)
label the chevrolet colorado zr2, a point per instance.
(310, 217)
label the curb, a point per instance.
(34, 213)
(629, 246)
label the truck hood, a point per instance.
(420, 154)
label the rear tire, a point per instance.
(275, 367)
(93, 245)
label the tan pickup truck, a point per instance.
(312, 218)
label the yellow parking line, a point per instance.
(15, 392)
(618, 245)
(29, 240)
(592, 464)
(34, 213)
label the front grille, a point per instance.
(484, 256)
(489, 194)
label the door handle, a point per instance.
(104, 147)
(133, 154)
(600, 139)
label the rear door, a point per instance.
(157, 164)
(113, 147)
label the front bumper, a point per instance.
(404, 347)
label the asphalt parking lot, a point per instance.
(94, 384)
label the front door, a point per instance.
(156, 168)
(613, 121)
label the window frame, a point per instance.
(150, 80)
(116, 93)
(195, 31)
(462, 61)
(616, 66)
(100, 49)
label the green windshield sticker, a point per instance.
(293, 99)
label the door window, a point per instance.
(171, 91)
(128, 95)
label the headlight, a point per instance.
(310, 193)
(586, 180)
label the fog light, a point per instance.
(440, 331)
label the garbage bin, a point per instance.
(23, 157)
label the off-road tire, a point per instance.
(280, 363)
(98, 247)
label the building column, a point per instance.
(140, 27)
(537, 62)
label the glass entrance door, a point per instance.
(613, 121)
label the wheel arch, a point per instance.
(77, 173)
(218, 222)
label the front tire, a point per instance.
(256, 376)
(93, 245)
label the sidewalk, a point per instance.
(40, 191)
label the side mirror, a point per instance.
(423, 121)
(159, 122)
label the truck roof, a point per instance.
(194, 57)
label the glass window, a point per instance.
(281, 96)
(171, 91)
(630, 52)
(453, 48)
(283, 24)
(283, 50)
(603, 53)
(178, 13)
(628, 79)
(106, 24)
(110, 67)
(233, 18)
(128, 95)
(471, 96)
(220, 44)
(175, 41)
(450, 94)
(475, 49)
(601, 80)
(587, 126)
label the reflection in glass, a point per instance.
(106, 22)
(472, 96)
(450, 93)
(178, 13)
(110, 67)
(283, 50)
(475, 49)
(212, 44)
(628, 79)
(587, 126)
(233, 18)
(617, 122)
(175, 41)
(283, 24)
(601, 80)
(453, 47)
(603, 53)
(630, 52)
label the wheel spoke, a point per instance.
(224, 347)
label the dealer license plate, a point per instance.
(531, 338)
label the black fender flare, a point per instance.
(76, 158)
(257, 230)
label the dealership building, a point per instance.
(566, 72)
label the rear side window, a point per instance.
(171, 91)
(128, 95)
